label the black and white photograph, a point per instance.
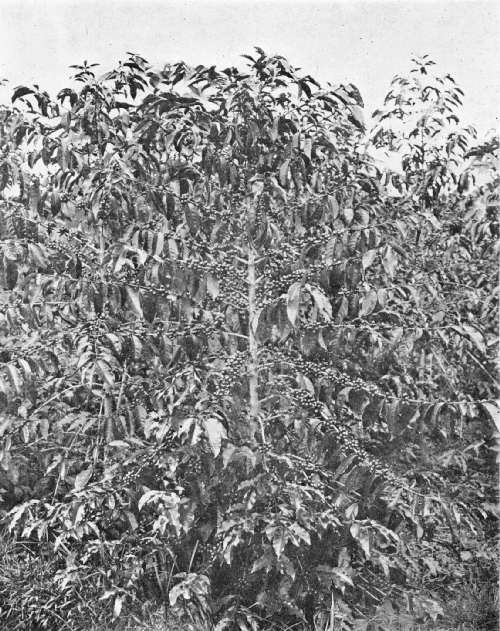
(249, 349)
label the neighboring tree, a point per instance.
(242, 375)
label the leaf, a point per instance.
(21, 91)
(343, 310)
(364, 542)
(305, 383)
(132, 520)
(177, 591)
(82, 479)
(368, 258)
(368, 303)
(44, 427)
(78, 513)
(301, 533)
(359, 401)
(357, 117)
(475, 336)
(15, 377)
(293, 301)
(348, 214)
(493, 411)
(341, 578)
(160, 241)
(135, 300)
(244, 455)
(390, 261)
(391, 410)
(66, 120)
(228, 454)
(106, 372)
(363, 216)
(146, 497)
(351, 512)
(279, 541)
(38, 255)
(432, 219)
(215, 431)
(265, 561)
(119, 444)
(212, 286)
(433, 412)
(321, 301)
(283, 172)
(330, 248)
(173, 249)
(11, 274)
(334, 206)
(117, 608)
(307, 147)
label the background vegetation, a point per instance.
(247, 373)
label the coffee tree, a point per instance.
(233, 376)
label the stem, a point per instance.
(486, 372)
(122, 388)
(55, 396)
(252, 340)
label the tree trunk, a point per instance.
(253, 374)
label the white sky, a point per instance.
(363, 42)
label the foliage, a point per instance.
(246, 372)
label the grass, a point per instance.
(27, 583)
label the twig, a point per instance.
(122, 388)
(482, 367)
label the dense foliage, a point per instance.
(247, 371)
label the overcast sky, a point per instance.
(363, 42)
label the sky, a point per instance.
(365, 42)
